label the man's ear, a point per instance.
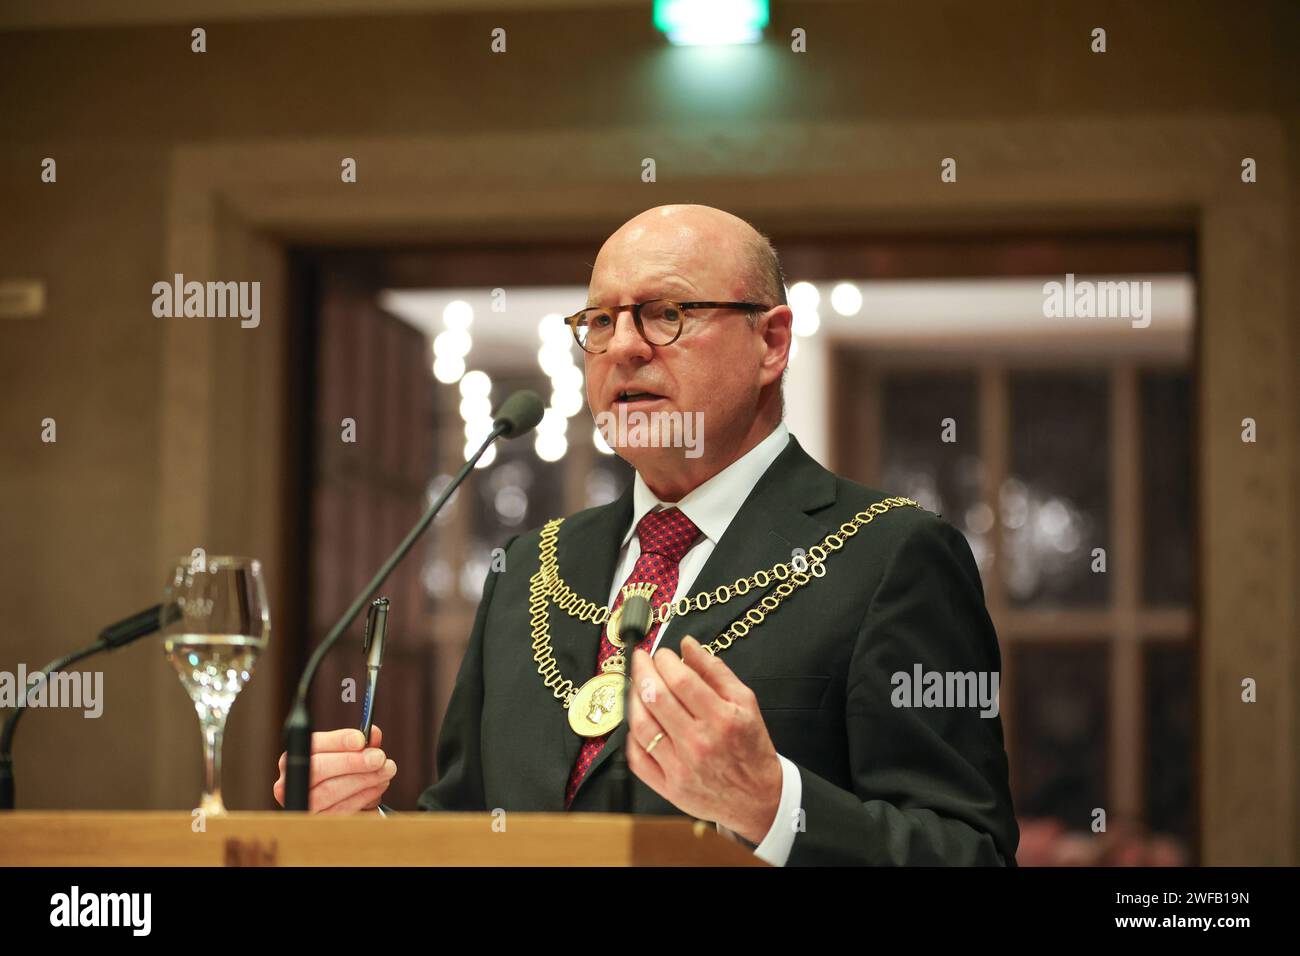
(776, 327)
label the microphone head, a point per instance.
(634, 621)
(520, 413)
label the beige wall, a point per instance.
(171, 433)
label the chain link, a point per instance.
(585, 610)
(547, 587)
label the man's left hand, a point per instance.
(715, 760)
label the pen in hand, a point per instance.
(376, 625)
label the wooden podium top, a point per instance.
(171, 838)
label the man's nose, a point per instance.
(626, 343)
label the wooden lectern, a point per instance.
(171, 838)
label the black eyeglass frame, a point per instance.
(572, 320)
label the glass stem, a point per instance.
(213, 728)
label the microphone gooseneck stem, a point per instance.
(110, 638)
(634, 624)
(11, 722)
(628, 782)
(297, 728)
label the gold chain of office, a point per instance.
(547, 587)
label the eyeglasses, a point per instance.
(659, 321)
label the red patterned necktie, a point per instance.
(665, 538)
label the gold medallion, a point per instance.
(597, 707)
(645, 590)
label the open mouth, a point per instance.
(628, 397)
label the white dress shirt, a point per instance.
(712, 507)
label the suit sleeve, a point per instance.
(460, 755)
(929, 783)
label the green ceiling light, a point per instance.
(711, 22)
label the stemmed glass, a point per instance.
(221, 623)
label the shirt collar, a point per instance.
(713, 505)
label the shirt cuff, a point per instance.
(776, 846)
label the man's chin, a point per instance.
(651, 434)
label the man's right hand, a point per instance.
(345, 778)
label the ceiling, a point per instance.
(43, 14)
(53, 14)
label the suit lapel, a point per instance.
(773, 521)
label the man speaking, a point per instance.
(787, 601)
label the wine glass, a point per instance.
(220, 623)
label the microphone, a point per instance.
(518, 415)
(634, 620)
(110, 638)
(634, 623)
(138, 625)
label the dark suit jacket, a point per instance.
(881, 785)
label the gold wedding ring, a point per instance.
(654, 740)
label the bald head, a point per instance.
(674, 236)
